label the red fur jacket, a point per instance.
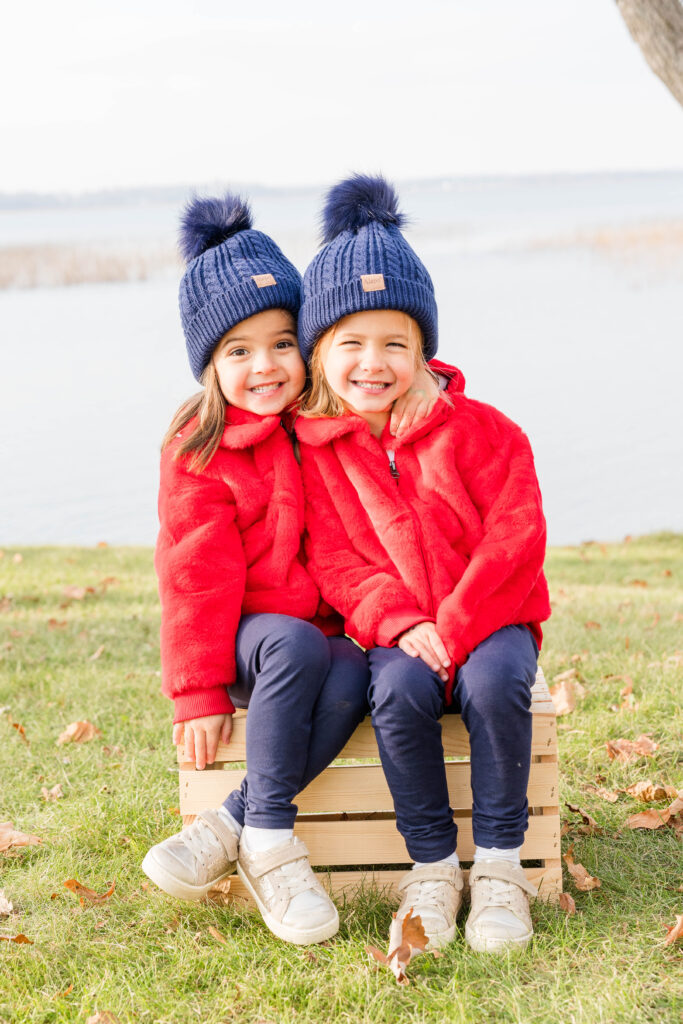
(229, 545)
(456, 536)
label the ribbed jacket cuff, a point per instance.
(397, 622)
(213, 701)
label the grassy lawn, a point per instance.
(147, 958)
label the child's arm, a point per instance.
(508, 560)
(377, 606)
(201, 567)
(201, 736)
(419, 400)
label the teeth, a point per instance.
(265, 388)
(367, 385)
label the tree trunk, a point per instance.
(657, 27)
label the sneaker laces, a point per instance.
(431, 894)
(293, 878)
(201, 842)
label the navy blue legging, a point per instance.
(306, 694)
(492, 693)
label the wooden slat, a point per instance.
(354, 788)
(347, 883)
(455, 739)
(378, 842)
(363, 745)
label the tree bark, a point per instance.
(657, 27)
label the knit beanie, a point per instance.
(365, 263)
(232, 272)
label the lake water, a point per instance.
(560, 299)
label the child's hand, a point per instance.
(201, 737)
(423, 641)
(417, 402)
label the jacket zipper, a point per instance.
(393, 468)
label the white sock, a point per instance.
(258, 840)
(493, 853)
(452, 858)
(227, 817)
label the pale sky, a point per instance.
(102, 95)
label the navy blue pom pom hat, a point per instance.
(366, 263)
(233, 272)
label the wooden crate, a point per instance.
(346, 815)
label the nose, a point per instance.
(264, 362)
(371, 359)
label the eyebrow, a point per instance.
(243, 338)
(385, 337)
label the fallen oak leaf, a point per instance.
(564, 697)
(651, 818)
(217, 935)
(52, 794)
(650, 792)
(9, 837)
(567, 904)
(630, 750)
(406, 936)
(605, 794)
(66, 992)
(84, 893)
(57, 624)
(20, 939)
(78, 732)
(103, 1017)
(590, 826)
(675, 932)
(592, 625)
(583, 881)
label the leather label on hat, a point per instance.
(263, 280)
(373, 282)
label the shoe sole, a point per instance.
(441, 938)
(497, 945)
(298, 936)
(174, 886)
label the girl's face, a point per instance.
(259, 365)
(370, 361)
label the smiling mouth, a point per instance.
(266, 389)
(371, 386)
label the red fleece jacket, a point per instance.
(458, 539)
(229, 545)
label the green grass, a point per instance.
(148, 958)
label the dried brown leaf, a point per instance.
(605, 794)
(639, 583)
(57, 624)
(52, 794)
(20, 939)
(630, 750)
(66, 992)
(592, 625)
(97, 654)
(406, 938)
(564, 697)
(590, 826)
(6, 906)
(21, 731)
(79, 732)
(217, 935)
(582, 879)
(76, 593)
(627, 687)
(84, 893)
(675, 932)
(649, 792)
(103, 1017)
(567, 903)
(9, 837)
(652, 818)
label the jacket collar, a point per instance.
(244, 429)
(321, 430)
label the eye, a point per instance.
(284, 343)
(397, 344)
(349, 341)
(236, 352)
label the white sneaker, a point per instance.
(275, 878)
(434, 892)
(189, 864)
(499, 919)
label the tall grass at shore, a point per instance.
(78, 640)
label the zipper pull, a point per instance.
(393, 468)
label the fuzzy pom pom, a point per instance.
(356, 201)
(205, 223)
